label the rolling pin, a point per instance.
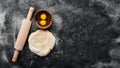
(22, 35)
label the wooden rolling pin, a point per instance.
(22, 35)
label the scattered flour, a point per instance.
(58, 21)
(4, 57)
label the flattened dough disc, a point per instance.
(41, 42)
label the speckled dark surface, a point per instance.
(85, 31)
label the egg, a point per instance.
(42, 22)
(43, 16)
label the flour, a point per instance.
(2, 27)
(58, 21)
(4, 57)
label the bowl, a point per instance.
(48, 19)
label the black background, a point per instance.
(85, 32)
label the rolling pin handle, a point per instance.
(15, 56)
(30, 13)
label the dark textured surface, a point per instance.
(85, 31)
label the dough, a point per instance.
(41, 42)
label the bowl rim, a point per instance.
(38, 24)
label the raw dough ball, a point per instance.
(41, 42)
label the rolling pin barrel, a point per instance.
(22, 35)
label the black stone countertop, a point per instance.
(85, 32)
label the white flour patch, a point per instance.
(17, 21)
(2, 27)
(57, 39)
(57, 18)
(4, 39)
(2, 19)
(3, 56)
(117, 40)
(58, 21)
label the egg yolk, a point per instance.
(43, 16)
(42, 22)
